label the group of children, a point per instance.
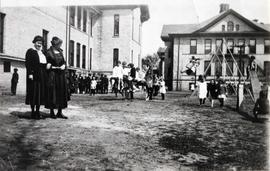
(216, 90)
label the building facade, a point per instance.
(223, 46)
(94, 37)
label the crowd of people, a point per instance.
(91, 84)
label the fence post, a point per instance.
(240, 96)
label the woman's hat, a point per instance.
(56, 41)
(37, 38)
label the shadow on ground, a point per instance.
(27, 115)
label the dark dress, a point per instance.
(14, 82)
(36, 89)
(57, 82)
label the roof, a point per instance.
(186, 29)
(144, 9)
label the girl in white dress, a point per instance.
(202, 89)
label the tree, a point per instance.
(152, 60)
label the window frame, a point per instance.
(79, 17)
(84, 56)
(206, 63)
(2, 23)
(221, 49)
(116, 25)
(228, 46)
(115, 61)
(71, 53)
(237, 27)
(6, 66)
(230, 26)
(84, 27)
(78, 55)
(193, 49)
(72, 13)
(241, 51)
(266, 50)
(207, 51)
(252, 49)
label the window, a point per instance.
(241, 44)
(2, 17)
(218, 67)
(207, 66)
(116, 25)
(230, 44)
(266, 46)
(45, 38)
(219, 45)
(208, 46)
(193, 46)
(252, 46)
(241, 67)
(237, 27)
(115, 57)
(71, 53)
(6, 66)
(83, 56)
(84, 20)
(79, 16)
(230, 26)
(91, 24)
(223, 27)
(229, 68)
(72, 16)
(90, 60)
(78, 55)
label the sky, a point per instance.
(167, 12)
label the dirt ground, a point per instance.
(109, 133)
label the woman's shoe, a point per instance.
(61, 115)
(52, 115)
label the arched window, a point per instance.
(230, 26)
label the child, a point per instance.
(212, 92)
(222, 92)
(202, 89)
(162, 88)
(93, 86)
(261, 105)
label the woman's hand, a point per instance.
(63, 67)
(48, 66)
(31, 77)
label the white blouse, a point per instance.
(42, 58)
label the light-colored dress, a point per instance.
(162, 87)
(202, 90)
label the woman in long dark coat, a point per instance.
(57, 83)
(36, 77)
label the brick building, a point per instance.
(94, 37)
(227, 30)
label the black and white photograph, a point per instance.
(134, 85)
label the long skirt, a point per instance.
(57, 90)
(37, 88)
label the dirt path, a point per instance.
(107, 133)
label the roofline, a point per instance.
(222, 34)
(143, 7)
(247, 21)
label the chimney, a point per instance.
(255, 20)
(223, 7)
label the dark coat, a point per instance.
(57, 82)
(15, 78)
(36, 88)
